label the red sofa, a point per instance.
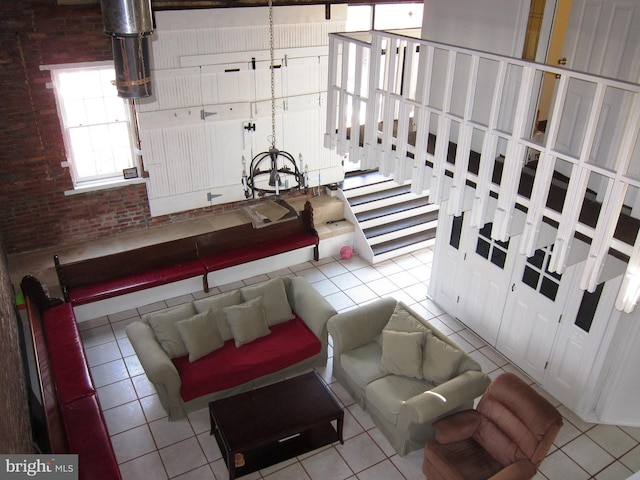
(290, 348)
(72, 413)
(108, 276)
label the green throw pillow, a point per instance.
(440, 360)
(274, 295)
(247, 321)
(217, 303)
(163, 324)
(200, 335)
(402, 353)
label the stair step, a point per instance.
(379, 195)
(374, 222)
(400, 224)
(391, 209)
(360, 179)
(407, 240)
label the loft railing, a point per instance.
(463, 125)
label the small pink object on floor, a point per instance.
(346, 252)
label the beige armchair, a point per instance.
(402, 407)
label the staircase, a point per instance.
(390, 220)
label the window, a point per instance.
(456, 231)
(96, 124)
(537, 275)
(588, 307)
(493, 250)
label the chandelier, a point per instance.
(274, 171)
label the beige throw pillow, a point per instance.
(402, 353)
(217, 303)
(247, 321)
(440, 361)
(274, 296)
(403, 320)
(163, 324)
(200, 335)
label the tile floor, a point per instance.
(149, 447)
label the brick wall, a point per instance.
(35, 211)
(15, 430)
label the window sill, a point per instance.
(97, 186)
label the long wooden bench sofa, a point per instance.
(191, 259)
(72, 415)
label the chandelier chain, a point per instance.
(273, 84)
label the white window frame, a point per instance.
(116, 178)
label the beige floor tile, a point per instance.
(327, 464)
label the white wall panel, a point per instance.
(204, 85)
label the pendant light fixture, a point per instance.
(282, 174)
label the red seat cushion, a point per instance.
(89, 438)
(287, 344)
(135, 282)
(66, 352)
(60, 322)
(259, 250)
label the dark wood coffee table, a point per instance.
(271, 424)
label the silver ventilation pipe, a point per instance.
(130, 23)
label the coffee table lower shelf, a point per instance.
(268, 454)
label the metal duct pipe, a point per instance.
(129, 23)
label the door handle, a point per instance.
(513, 287)
(561, 61)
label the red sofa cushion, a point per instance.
(135, 282)
(60, 322)
(287, 344)
(68, 361)
(89, 438)
(259, 250)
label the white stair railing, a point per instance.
(391, 95)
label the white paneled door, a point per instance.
(484, 281)
(533, 312)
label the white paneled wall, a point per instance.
(211, 100)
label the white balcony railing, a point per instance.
(461, 124)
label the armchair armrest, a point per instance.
(443, 399)
(359, 326)
(457, 426)
(158, 367)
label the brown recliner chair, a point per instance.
(504, 438)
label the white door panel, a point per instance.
(484, 281)
(444, 288)
(180, 165)
(227, 83)
(571, 367)
(532, 313)
(483, 300)
(603, 38)
(223, 140)
(526, 335)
